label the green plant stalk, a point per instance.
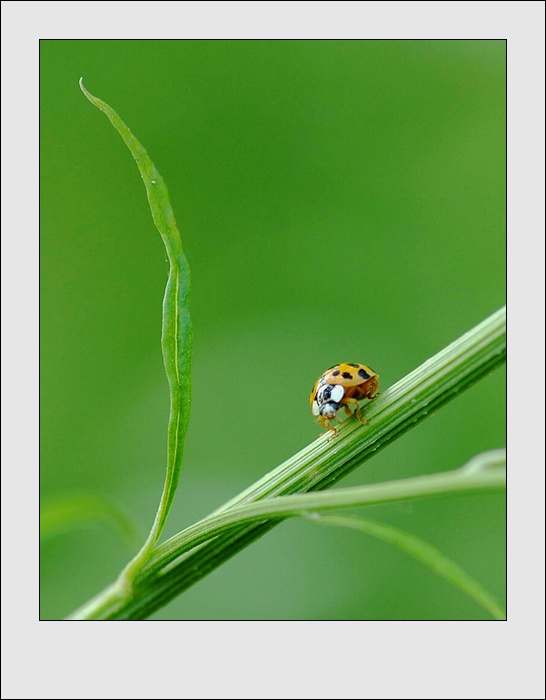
(156, 580)
(318, 466)
(177, 332)
(423, 552)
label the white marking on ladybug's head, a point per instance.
(315, 408)
(337, 393)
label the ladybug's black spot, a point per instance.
(362, 373)
(334, 374)
(353, 364)
(347, 375)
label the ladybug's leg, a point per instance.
(326, 424)
(372, 392)
(353, 402)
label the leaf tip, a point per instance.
(83, 88)
(87, 93)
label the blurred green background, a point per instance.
(338, 201)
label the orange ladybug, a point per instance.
(342, 385)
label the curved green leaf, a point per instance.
(423, 552)
(177, 332)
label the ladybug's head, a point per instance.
(327, 400)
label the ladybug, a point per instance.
(342, 385)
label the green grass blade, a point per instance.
(177, 333)
(427, 485)
(423, 552)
